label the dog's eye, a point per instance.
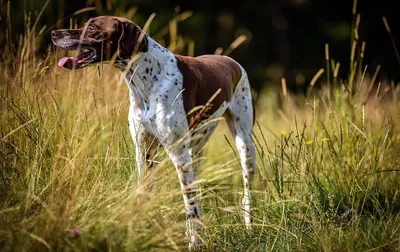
(91, 28)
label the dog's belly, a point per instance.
(204, 130)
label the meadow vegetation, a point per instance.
(328, 166)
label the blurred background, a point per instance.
(285, 38)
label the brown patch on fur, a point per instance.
(122, 32)
(131, 40)
(107, 36)
(202, 77)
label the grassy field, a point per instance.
(327, 167)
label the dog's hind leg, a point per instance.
(240, 118)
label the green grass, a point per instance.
(328, 168)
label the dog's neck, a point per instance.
(143, 72)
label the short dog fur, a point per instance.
(175, 100)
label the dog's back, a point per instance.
(203, 76)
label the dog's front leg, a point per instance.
(174, 136)
(183, 163)
(139, 137)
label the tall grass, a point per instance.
(327, 166)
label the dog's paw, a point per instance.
(195, 242)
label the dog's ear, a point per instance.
(132, 40)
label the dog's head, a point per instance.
(101, 39)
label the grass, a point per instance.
(327, 166)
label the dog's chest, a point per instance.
(155, 92)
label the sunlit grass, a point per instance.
(327, 167)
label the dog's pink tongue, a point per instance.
(64, 61)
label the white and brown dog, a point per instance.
(174, 99)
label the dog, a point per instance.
(175, 100)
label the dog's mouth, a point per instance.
(86, 56)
